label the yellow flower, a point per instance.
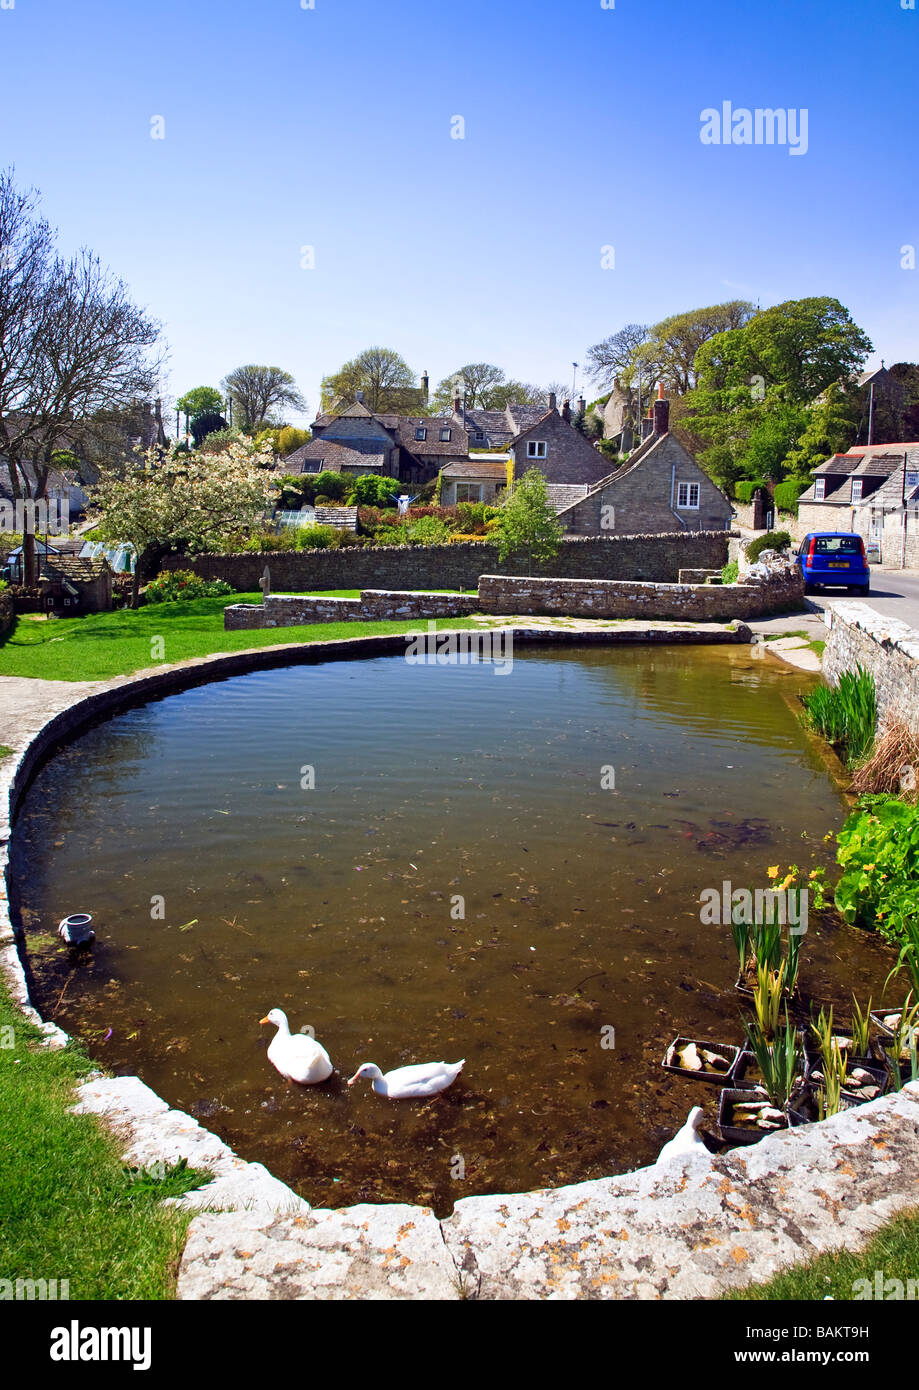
(774, 871)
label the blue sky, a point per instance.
(331, 128)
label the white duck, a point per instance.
(408, 1083)
(687, 1140)
(296, 1055)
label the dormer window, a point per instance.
(446, 436)
(421, 433)
(856, 489)
(536, 449)
(479, 434)
(819, 489)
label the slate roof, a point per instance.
(562, 495)
(72, 567)
(404, 427)
(869, 461)
(327, 454)
(469, 468)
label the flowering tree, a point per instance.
(161, 505)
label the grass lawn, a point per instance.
(68, 1207)
(101, 645)
(894, 1250)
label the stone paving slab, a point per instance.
(362, 1252)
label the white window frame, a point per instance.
(536, 448)
(421, 434)
(857, 483)
(688, 505)
(819, 489)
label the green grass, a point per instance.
(69, 1209)
(4, 751)
(101, 645)
(894, 1250)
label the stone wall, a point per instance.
(755, 596)
(654, 557)
(7, 613)
(374, 605)
(884, 646)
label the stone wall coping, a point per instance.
(886, 631)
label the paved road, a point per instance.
(894, 593)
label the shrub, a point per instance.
(772, 540)
(786, 494)
(372, 490)
(171, 586)
(846, 714)
(879, 853)
(391, 535)
(334, 487)
(315, 537)
(428, 530)
(730, 572)
(745, 488)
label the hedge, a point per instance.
(786, 494)
(745, 489)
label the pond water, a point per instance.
(461, 881)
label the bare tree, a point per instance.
(257, 391)
(72, 344)
(615, 356)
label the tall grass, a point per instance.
(846, 715)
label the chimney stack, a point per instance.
(552, 400)
(661, 412)
(425, 386)
(566, 411)
(647, 426)
(582, 406)
(360, 397)
(457, 405)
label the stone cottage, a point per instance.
(356, 440)
(846, 487)
(659, 488)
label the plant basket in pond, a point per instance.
(701, 1061)
(746, 1116)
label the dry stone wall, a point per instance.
(653, 557)
(889, 649)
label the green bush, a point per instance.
(786, 494)
(172, 586)
(846, 714)
(878, 849)
(772, 540)
(372, 490)
(745, 488)
(315, 537)
(333, 487)
(730, 572)
(428, 530)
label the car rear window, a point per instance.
(838, 545)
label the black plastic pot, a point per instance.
(725, 1050)
(735, 1134)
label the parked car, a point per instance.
(834, 558)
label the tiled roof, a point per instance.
(562, 495)
(326, 454)
(469, 468)
(73, 568)
(524, 417)
(840, 463)
(406, 425)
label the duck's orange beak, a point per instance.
(353, 1079)
(264, 1020)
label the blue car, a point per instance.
(834, 558)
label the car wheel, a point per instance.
(809, 587)
(866, 590)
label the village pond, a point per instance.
(425, 863)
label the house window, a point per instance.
(421, 432)
(819, 489)
(856, 489)
(687, 496)
(536, 449)
(479, 434)
(469, 492)
(446, 436)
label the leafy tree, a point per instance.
(161, 505)
(72, 345)
(258, 392)
(202, 400)
(831, 426)
(204, 425)
(386, 380)
(476, 383)
(527, 522)
(372, 490)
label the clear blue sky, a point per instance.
(330, 127)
